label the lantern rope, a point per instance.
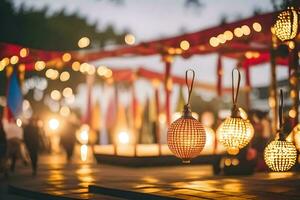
(189, 87)
(280, 112)
(235, 93)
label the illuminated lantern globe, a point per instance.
(235, 132)
(286, 25)
(280, 155)
(186, 136)
(296, 134)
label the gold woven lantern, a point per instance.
(280, 155)
(296, 136)
(186, 135)
(286, 25)
(235, 132)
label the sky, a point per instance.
(155, 19)
(152, 19)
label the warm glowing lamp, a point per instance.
(296, 135)
(286, 25)
(83, 134)
(123, 137)
(235, 132)
(280, 155)
(186, 135)
(53, 124)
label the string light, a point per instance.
(238, 32)
(67, 92)
(55, 95)
(214, 42)
(129, 39)
(184, 45)
(24, 52)
(246, 30)
(228, 35)
(76, 66)
(66, 57)
(186, 136)
(257, 27)
(64, 76)
(14, 60)
(39, 65)
(83, 42)
(64, 111)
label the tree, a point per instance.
(57, 32)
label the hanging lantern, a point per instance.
(186, 135)
(280, 155)
(235, 132)
(296, 135)
(286, 25)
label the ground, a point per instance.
(56, 179)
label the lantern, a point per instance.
(286, 25)
(296, 134)
(280, 155)
(186, 136)
(235, 132)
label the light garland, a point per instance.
(235, 132)
(186, 136)
(280, 155)
(286, 25)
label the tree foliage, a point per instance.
(56, 32)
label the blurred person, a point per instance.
(31, 139)
(260, 139)
(3, 150)
(14, 136)
(68, 135)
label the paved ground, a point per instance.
(183, 182)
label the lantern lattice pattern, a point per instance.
(286, 25)
(235, 132)
(280, 156)
(186, 138)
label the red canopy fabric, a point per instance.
(259, 42)
(199, 41)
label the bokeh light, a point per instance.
(129, 39)
(83, 42)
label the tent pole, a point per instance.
(294, 81)
(134, 129)
(158, 136)
(273, 102)
(168, 87)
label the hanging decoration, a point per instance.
(186, 135)
(286, 25)
(280, 155)
(295, 134)
(235, 132)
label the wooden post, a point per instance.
(157, 111)
(114, 134)
(134, 113)
(168, 87)
(294, 82)
(273, 102)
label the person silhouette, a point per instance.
(31, 140)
